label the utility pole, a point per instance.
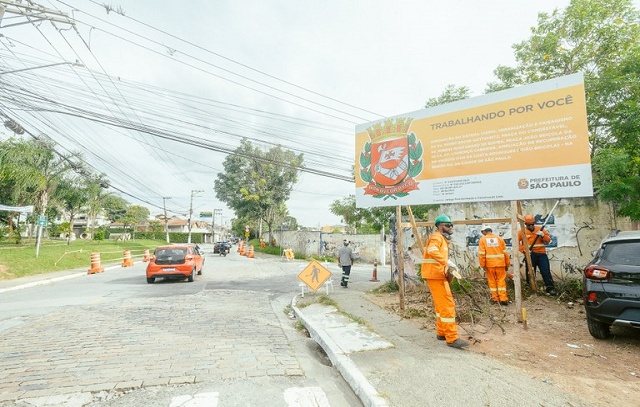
(193, 193)
(32, 12)
(166, 221)
(213, 223)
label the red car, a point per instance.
(177, 261)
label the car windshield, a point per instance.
(626, 253)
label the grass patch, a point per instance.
(415, 313)
(300, 326)
(323, 259)
(19, 260)
(328, 301)
(389, 287)
(273, 250)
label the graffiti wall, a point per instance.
(576, 227)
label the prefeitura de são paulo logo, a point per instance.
(391, 160)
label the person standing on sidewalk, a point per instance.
(435, 271)
(536, 238)
(345, 260)
(494, 260)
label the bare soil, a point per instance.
(553, 346)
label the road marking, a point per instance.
(293, 396)
(199, 400)
(306, 397)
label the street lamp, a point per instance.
(43, 66)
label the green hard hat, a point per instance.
(442, 219)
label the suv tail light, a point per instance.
(594, 272)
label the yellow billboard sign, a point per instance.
(529, 142)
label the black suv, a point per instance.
(611, 284)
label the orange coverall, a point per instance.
(434, 271)
(539, 247)
(494, 259)
(539, 258)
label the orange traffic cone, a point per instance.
(250, 253)
(374, 277)
(146, 256)
(95, 264)
(243, 250)
(127, 259)
(240, 244)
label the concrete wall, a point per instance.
(367, 248)
(577, 227)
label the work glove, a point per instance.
(453, 271)
(540, 233)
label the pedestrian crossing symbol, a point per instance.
(314, 275)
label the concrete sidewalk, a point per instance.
(392, 362)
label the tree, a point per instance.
(156, 226)
(135, 215)
(601, 39)
(71, 195)
(290, 223)
(96, 200)
(451, 93)
(256, 184)
(346, 209)
(35, 169)
(114, 206)
(617, 180)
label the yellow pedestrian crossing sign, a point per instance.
(314, 275)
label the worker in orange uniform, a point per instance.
(536, 239)
(435, 271)
(494, 260)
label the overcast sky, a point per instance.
(209, 72)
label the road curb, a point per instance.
(49, 280)
(352, 375)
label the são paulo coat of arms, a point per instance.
(391, 160)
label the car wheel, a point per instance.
(150, 280)
(598, 329)
(190, 278)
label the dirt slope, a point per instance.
(556, 346)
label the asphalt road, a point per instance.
(111, 339)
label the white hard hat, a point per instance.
(485, 227)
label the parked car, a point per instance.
(222, 247)
(178, 261)
(611, 284)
